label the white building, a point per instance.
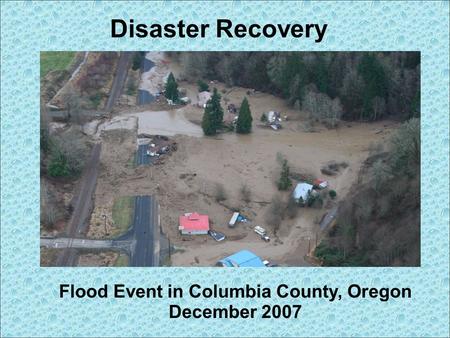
(302, 190)
(203, 98)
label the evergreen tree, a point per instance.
(375, 83)
(172, 89)
(320, 76)
(244, 121)
(208, 125)
(216, 110)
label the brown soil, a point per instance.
(48, 257)
(98, 259)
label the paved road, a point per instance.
(83, 205)
(144, 97)
(61, 243)
(119, 79)
(146, 226)
(142, 157)
(145, 230)
(80, 243)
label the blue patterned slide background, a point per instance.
(30, 305)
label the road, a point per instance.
(145, 228)
(142, 157)
(144, 97)
(83, 206)
(119, 79)
(81, 243)
(145, 232)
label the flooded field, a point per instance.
(187, 180)
(168, 123)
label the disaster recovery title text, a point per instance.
(224, 28)
(289, 306)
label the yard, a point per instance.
(55, 61)
(122, 215)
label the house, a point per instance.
(243, 258)
(203, 98)
(194, 224)
(302, 191)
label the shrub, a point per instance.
(263, 117)
(275, 213)
(284, 182)
(45, 140)
(332, 194)
(58, 166)
(220, 193)
(202, 86)
(291, 208)
(138, 57)
(246, 193)
(95, 99)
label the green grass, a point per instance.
(132, 161)
(122, 260)
(122, 214)
(55, 61)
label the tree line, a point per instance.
(333, 85)
(379, 223)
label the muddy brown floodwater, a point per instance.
(168, 123)
(187, 178)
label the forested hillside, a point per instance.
(379, 223)
(326, 85)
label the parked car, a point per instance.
(218, 236)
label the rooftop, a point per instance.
(243, 258)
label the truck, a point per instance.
(233, 220)
(262, 233)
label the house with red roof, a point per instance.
(194, 224)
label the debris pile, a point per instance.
(158, 146)
(333, 168)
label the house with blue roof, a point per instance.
(243, 258)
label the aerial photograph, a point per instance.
(229, 159)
